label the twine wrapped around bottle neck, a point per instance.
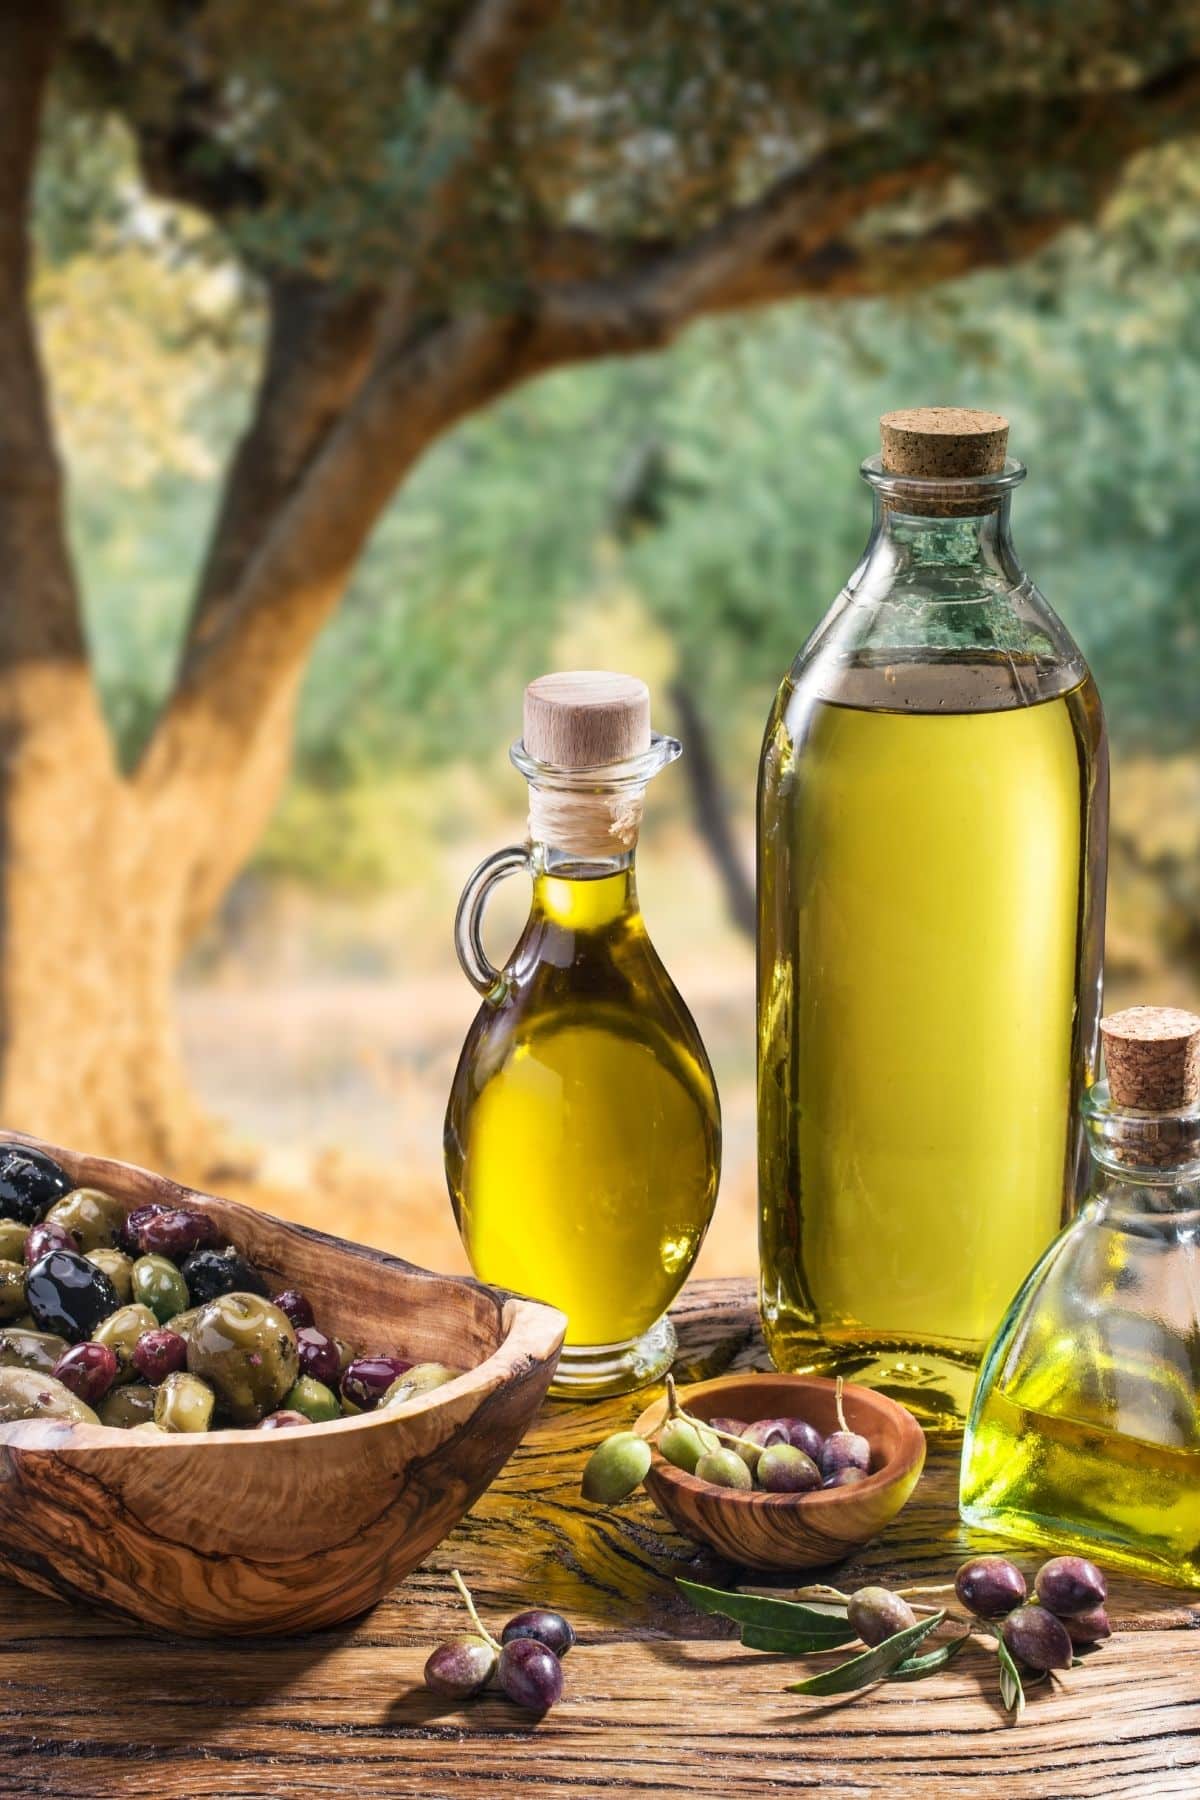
(593, 826)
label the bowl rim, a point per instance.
(531, 1329)
(910, 1453)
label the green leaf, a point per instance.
(795, 1643)
(915, 1668)
(784, 1616)
(1011, 1691)
(872, 1665)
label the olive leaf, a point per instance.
(794, 1643)
(915, 1668)
(805, 1627)
(872, 1665)
(1011, 1692)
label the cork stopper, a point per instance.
(943, 443)
(1152, 1054)
(586, 718)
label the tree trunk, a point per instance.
(710, 808)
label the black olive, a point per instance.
(211, 1273)
(68, 1294)
(30, 1182)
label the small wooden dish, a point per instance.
(244, 1532)
(790, 1531)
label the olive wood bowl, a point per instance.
(244, 1532)
(790, 1531)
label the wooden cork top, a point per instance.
(586, 718)
(1152, 1054)
(943, 443)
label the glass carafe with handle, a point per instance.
(932, 830)
(583, 1128)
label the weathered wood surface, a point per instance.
(656, 1702)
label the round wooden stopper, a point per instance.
(1152, 1054)
(586, 718)
(943, 443)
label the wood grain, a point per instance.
(240, 1531)
(658, 1701)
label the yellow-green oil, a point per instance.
(583, 1129)
(924, 994)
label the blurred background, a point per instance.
(211, 190)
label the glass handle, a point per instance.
(468, 921)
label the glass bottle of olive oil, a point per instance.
(932, 831)
(1084, 1431)
(583, 1129)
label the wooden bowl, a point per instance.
(790, 1531)
(243, 1532)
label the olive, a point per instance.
(844, 1478)
(732, 1427)
(461, 1667)
(40, 1239)
(1088, 1627)
(94, 1218)
(1070, 1584)
(876, 1613)
(313, 1400)
(758, 1436)
(246, 1350)
(297, 1307)
(158, 1354)
(990, 1586)
(1037, 1639)
(121, 1331)
(682, 1444)
(119, 1269)
(723, 1468)
(30, 1181)
(176, 1232)
(131, 1231)
(368, 1378)
(183, 1322)
(69, 1295)
(184, 1403)
(31, 1394)
(845, 1450)
(422, 1378)
(283, 1420)
(20, 1349)
(13, 1239)
(346, 1354)
(782, 1469)
(806, 1437)
(549, 1628)
(159, 1285)
(318, 1356)
(12, 1290)
(530, 1674)
(211, 1273)
(149, 1429)
(89, 1370)
(615, 1468)
(125, 1407)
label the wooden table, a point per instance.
(658, 1701)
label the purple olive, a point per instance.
(1037, 1639)
(1088, 1627)
(130, 1236)
(782, 1469)
(548, 1628)
(990, 1586)
(283, 1420)
(318, 1356)
(298, 1308)
(158, 1354)
(735, 1427)
(47, 1236)
(806, 1437)
(876, 1613)
(89, 1370)
(368, 1378)
(844, 1478)
(176, 1233)
(1070, 1584)
(759, 1434)
(530, 1674)
(460, 1667)
(845, 1450)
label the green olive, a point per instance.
(119, 1269)
(245, 1349)
(125, 1407)
(313, 1399)
(683, 1445)
(184, 1403)
(12, 1290)
(121, 1331)
(422, 1378)
(21, 1349)
(95, 1218)
(149, 1429)
(12, 1241)
(615, 1468)
(346, 1354)
(723, 1468)
(183, 1322)
(158, 1284)
(30, 1394)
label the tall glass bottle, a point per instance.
(932, 838)
(583, 1132)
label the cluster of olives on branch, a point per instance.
(525, 1663)
(150, 1322)
(1043, 1634)
(775, 1456)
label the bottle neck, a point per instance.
(963, 558)
(1147, 1164)
(580, 895)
